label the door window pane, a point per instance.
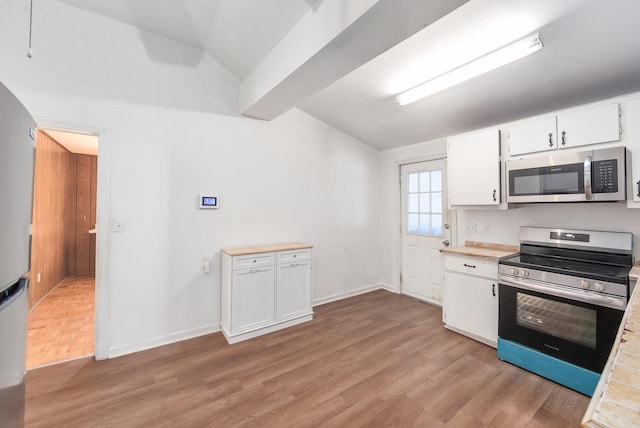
(424, 224)
(436, 181)
(436, 224)
(412, 203)
(436, 203)
(424, 203)
(424, 182)
(413, 182)
(413, 223)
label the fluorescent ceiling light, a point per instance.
(488, 62)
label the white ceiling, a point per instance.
(591, 52)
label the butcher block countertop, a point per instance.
(241, 251)
(616, 401)
(482, 250)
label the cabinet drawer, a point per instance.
(293, 256)
(472, 266)
(253, 260)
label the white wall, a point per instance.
(169, 128)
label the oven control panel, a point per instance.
(552, 279)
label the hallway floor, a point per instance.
(61, 326)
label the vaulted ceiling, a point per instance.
(343, 61)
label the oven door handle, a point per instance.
(610, 302)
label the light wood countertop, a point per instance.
(482, 250)
(255, 249)
(616, 401)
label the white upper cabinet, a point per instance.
(632, 137)
(473, 165)
(532, 135)
(590, 125)
(574, 128)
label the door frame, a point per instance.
(398, 212)
(101, 345)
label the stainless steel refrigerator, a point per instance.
(17, 129)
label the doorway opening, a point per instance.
(425, 229)
(61, 321)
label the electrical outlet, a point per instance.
(471, 228)
(206, 264)
(486, 229)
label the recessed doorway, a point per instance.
(61, 322)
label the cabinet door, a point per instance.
(632, 138)
(293, 290)
(533, 135)
(471, 305)
(473, 164)
(597, 124)
(252, 300)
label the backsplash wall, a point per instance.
(505, 225)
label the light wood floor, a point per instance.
(61, 326)
(378, 359)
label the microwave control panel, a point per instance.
(605, 176)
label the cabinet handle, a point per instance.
(638, 184)
(563, 134)
(550, 139)
(493, 290)
(494, 195)
(471, 266)
(254, 270)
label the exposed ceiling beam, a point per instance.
(330, 42)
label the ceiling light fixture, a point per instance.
(488, 62)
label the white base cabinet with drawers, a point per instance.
(470, 304)
(265, 289)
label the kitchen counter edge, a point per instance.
(615, 400)
(482, 250)
(268, 248)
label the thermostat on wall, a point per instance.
(208, 201)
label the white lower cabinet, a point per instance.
(264, 291)
(252, 298)
(293, 300)
(470, 303)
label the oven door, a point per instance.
(574, 331)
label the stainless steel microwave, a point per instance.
(594, 175)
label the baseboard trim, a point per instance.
(423, 298)
(160, 341)
(346, 294)
(250, 334)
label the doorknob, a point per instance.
(446, 243)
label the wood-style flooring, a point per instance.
(373, 360)
(61, 326)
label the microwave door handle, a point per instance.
(587, 178)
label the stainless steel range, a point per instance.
(561, 301)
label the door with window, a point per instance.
(425, 229)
